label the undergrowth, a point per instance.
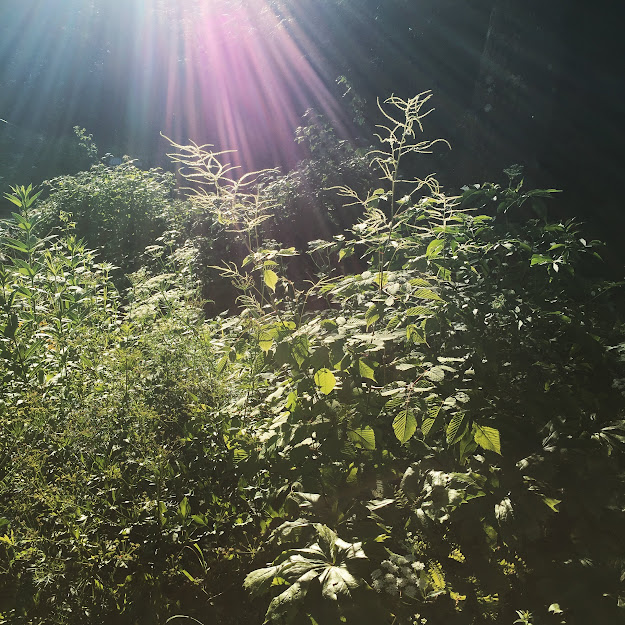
(436, 437)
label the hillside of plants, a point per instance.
(342, 395)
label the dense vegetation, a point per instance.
(428, 429)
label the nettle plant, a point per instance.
(452, 405)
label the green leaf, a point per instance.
(271, 278)
(433, 422)
(417, 311)
(363, 437)
(428, 294)
(457, 427)
(537, 259)
(435, 374)
(414, 334)
(338, 581)
(300, 348)
(265, 340)
(325, 380)
(551, 502)
(435, 248)
(404, 425)
(487, 438)
(259, 581)
(372, 315)
(184, 508)
(365, 370)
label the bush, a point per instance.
(117, 210)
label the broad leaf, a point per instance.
(363, 437)
(365, 370)
(259, 581)
(271, 278)
(325, 380)
(404, 425)
(372, 315)
(487, 438)
(457, 427)
(300, 348)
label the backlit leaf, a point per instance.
(325, 380)
(271, 278)
(456, 427)
(488, 438)
(364, 437)
(404, 425)
(365, 370)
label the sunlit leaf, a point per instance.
(363, 437)
(457, 427)
(404, 425)
(365, 370)
(271, 278)
(537, 259)
(325, 380)
(435, 248)
(265, 340)
(427, 294)
(487, 438)
(300, 348)
(435, 374)
(372, 315)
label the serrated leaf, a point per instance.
(457, 427)
(429, 426)
(325, 380)
(300, 348)
(365, 370)
(337, 581)
(364, 437)
(414, 334)
(428, 294)
(435, 374)
(271, 278)
(417, 311)
(404, 425)
(372, 315)
(435, 248)
(487, 438)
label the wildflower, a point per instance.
(377, 573)
(418, 566)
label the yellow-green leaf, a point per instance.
(363, 437)
(365, 370)
(457, 427)
(487, 438)
(325, 380)
(427, 294)
(404, 425)
(265, 340)
(372, 315)
(271, 278)
(435, 248)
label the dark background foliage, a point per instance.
(539, 83)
